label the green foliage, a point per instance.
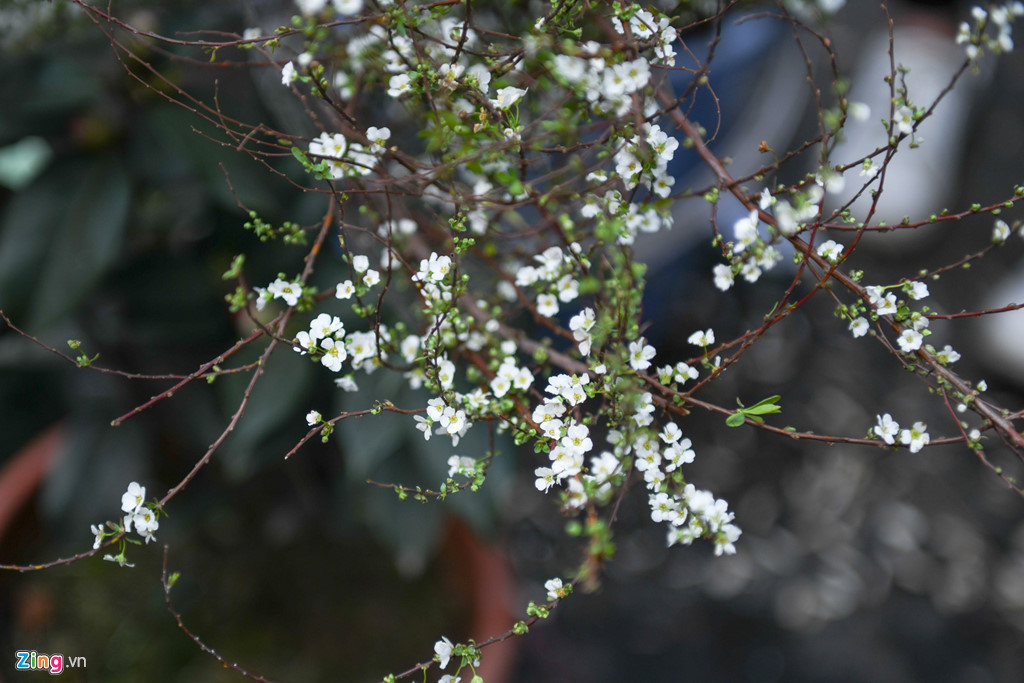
(766, 406)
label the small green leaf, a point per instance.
(736, 419)
(762, 409)
(764, 406)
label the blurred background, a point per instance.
(116, 223)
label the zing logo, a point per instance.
(30, 660)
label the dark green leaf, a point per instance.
(736, 419)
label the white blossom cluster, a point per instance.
(327, 339)
(914, 326)
(631, 170)
(607, 87)
(139, 514)
(914, 438)
(553, 278)
(344, 7)
(690, 513)
(346, 159)
(636, 217)
(977, 38)
(289, 292)
(750, 254)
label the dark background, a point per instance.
(855, 564)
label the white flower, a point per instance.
(145, 523)
(565, 463)
(262, 297)
(343, 83)
(916, 437)
(1000, 232)
(568, 289)
(443, 650)
(345, 290)
(859, 327)
(603, 466)
(371, 277)
(120, 559)
(904, 121)
(523, 379)
(309, 7)
(360, 262)
(334, 354)
(684, 372)
(398, 85)
(361, 346)
(312, 417)
(671, 433)
(547, 305)
(677, 454)
(724, 541)
(947, 355)
(282, 289)
(507, 97)
(577, 439)
(868, 169)
(833, 183)
(453, 420)
(580, 325)
(424, 424)
(702, 337)
(640, 354)
(461, 464)
(916, 290)
(723, 276)
(786, 218)
(348, 7)
(665, 508)
(746, 231)
(133, 498)
(750, 271)
(643, 415)
(830, 251)
(324, 326)
(437, 267)
(288, 74)
(545, 478)
(634, 74)
(886, 429)
(304, 343)
(884, 303)
(445, 373)
(663, 184)
(769, 257)
(909, 340)
(346, 383)
(554, 589)
(859, 111)
(500, 385)
(97, 530)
